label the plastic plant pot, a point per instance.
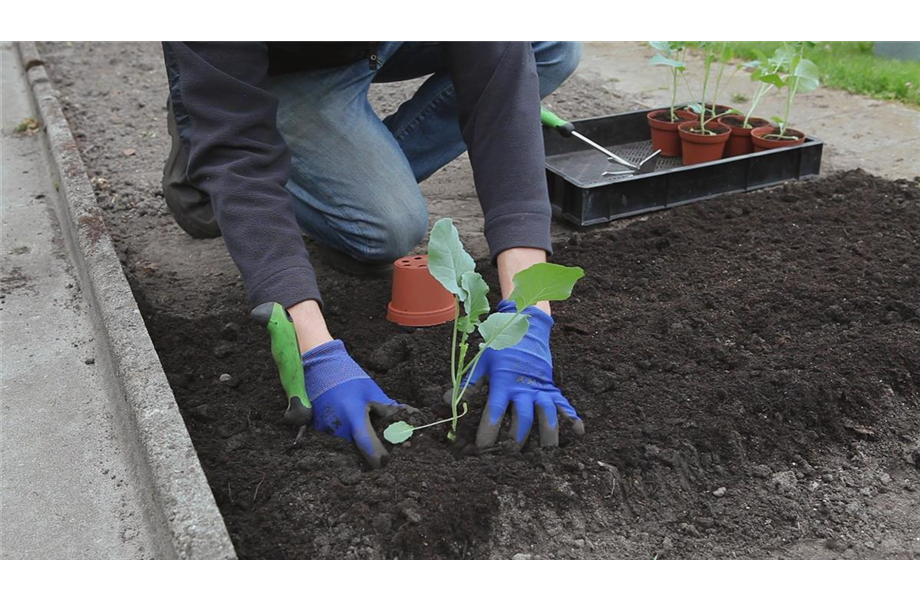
(739, 140)
(664, 132)
(418, 299)
(759, 134)
(700, 148)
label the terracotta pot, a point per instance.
(757, 137)
(664, 133)
(739, 140)
(418, 299)
(698, 148)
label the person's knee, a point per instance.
(397, 235)
(556, 61)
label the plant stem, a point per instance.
(453, 342)
(454, 349)
(472, 364)
(465, 410)
(792, 90)
(715, 91)
(709, 56)
(758, 96)
(673, 93)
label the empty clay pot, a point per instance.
(739, 140)
(757, 137)
(699, 148)
(418, 299)
(664, 133)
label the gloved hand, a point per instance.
(343, 397)
(523, 376)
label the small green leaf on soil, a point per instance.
(398, 432)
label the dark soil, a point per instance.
(680, 116)
(748, 369)
(738, 121)
(713, 129)
(775, 135)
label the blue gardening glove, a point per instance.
(523, 376)
(343, 398)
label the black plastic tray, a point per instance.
(580, 194)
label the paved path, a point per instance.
(65, 488)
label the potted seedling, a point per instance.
(723, 55)
(455, 269)
(663, 123)
(802, 77)
(765, 73)
(700, 140)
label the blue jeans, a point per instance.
(354, 177)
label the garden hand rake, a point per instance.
(647, 165)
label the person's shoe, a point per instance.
(190, 207)
(343, 263)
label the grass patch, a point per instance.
(27, 126)
(853, 66)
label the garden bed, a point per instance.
(768, 345)
(748, 370)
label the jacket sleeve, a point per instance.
(499, 100)
(238, 157)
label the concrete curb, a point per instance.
(178, 501)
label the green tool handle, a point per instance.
(286, 352)
(550, 119)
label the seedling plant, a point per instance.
(670, 55)
(454, 268)
(723, 55)
(802, 77)
(766, 73)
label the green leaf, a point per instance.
(503, 330)
(464, 325)
(544, 281)
(661, 60)
(447, 260)
(808, 75)
(663, 47)
(781, 59)
(772, 79)
(808, 69)
(398, 432)
(476, 304)
(804, 86)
